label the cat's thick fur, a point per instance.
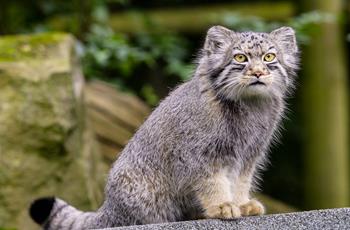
(198, 153)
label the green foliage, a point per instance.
(304, 24)
(119, 59)
(106, 50)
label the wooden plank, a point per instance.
(126, 99)
(193, 19)
(196, 19)
(108, 129)
(109, 152)
(114, 116)
(121, 108)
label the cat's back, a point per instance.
(183, 107)
(175, 117)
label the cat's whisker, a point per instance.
(240, 89)
(230, 87)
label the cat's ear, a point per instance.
(217, 38)
(285, 38)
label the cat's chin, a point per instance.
(256, 91)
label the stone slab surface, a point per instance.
(331, 219)
(46, 146)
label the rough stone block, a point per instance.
(330, 219)
(45, 146)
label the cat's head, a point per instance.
(250, 64)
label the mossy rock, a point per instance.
(46, 147)
(27, 47)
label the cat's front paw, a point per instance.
(223, 211)
(252, 208)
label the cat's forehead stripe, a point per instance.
(253, 43)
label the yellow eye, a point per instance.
(269, 57)
(240, 58)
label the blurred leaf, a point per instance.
(184, 71)
(100, 14)
(148, 92)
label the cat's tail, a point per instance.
(55, 214)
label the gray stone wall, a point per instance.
(46, 147)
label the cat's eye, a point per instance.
(269, 57)
(240, 58)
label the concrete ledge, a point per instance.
(319, 219)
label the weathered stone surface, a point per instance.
(45, 145)
(330, 219)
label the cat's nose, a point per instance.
(257, 74)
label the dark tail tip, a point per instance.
(40, 209)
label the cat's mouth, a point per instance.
(257, 83)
